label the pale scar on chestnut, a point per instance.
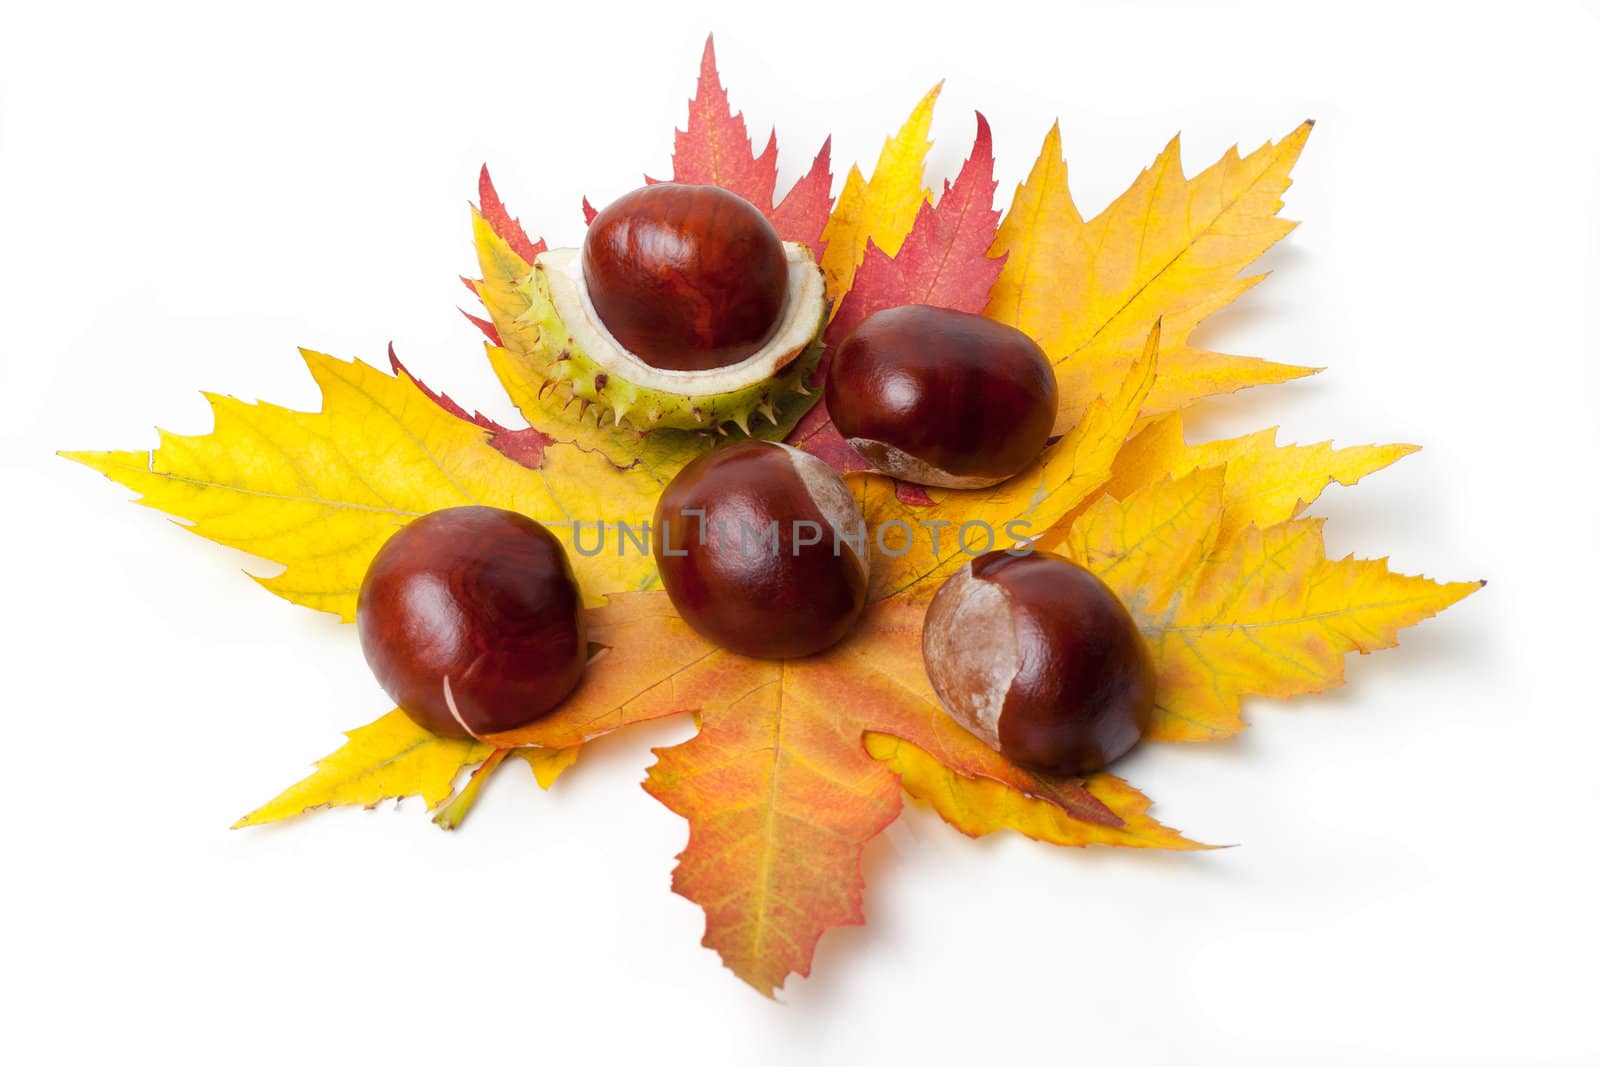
(757, 546)
(1039, 659)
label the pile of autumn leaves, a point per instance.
(797, 765)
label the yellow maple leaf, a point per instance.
(390, 758)
(882, 209)
(1267, 482)
(1169, 247)
(1041, 232)
(1149, 545)
(321, 492)
(547, 765)
(978, 806)
(1268, 614)
(505, 288)
(649, 652)
(1276, 617)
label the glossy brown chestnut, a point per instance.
(941, 397)
(472, 621)
(757, 547)
(686, 277)
(1040, 659)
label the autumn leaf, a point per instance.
(1276, 617)
(319, 493)
(781, 799)
(652, 665)
(644, 647)
(1267, 482)
(495, 215)
(979, 806)
(394, 758)
(547, 765)
(390, 758)
(943, 261)
(779, 790)
(883, 208)
(1151, 545)
(780, 793)
(1266, 613)
(1169, 248)
(715, 147)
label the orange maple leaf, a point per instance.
(779, 789)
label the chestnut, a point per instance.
(686, 277)
(942, 397)
(472, 621)
(762, 549)
(1038, 658)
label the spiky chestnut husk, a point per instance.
(686, 400)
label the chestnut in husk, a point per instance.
(941, 397)
(682, 310)
(1039, 659)
(472, 621)
(762, 549)
(686, 277)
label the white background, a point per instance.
(187, 193)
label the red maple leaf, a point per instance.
(495, 214)
(804, 211)
(714, 148)
(484, 326)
